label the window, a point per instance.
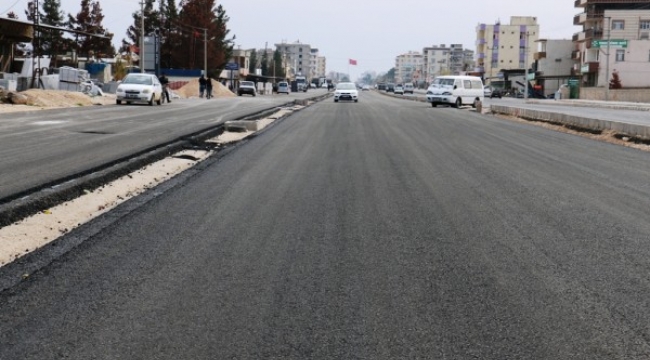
(467, 84)
(300, 49)
(644, 25)
(618, 25)
(300, 56)
(620, 55)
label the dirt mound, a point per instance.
(39, 98)
(191, 89)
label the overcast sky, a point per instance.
(373, 32)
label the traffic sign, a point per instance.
(612, 43)
(232, 66)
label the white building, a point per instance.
(297, 57)
(408, 67)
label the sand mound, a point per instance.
(191, 89)
(61, 98)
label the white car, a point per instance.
(139, 88)
(399, 89)
(346, 91)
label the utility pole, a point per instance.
(142, 36)
(526, 66)
(609, 33)
(205, 52)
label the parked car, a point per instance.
(246, 87)
(408, 88)
(283, 87)
(346, 91)
(390, 87)
(139, 88)
(365, 88)
(399, 89)
(492, 92)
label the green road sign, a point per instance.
(612, 43)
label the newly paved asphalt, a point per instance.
(380, 230)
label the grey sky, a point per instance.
(372, 32)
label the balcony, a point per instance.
(587, 35)
(576, 54)
(582, 18)
(540, 55)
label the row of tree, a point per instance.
(184, 32)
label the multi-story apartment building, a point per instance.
(321, 66)
(446, 60)
(408, 67)
(615, 36)
(297, 57)
(505, 46)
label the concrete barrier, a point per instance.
(631, 130)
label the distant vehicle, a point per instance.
(283, 87)
(301, 83)
(324, 85)
(139, 88)
(381, 86)
(408, 88)
(365, 88)
(399, 89)
(246, 87)
(492, 92)
(346, 91)
(390, 87)
(455, 91)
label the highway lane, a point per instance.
(384, 229)
(38, 147)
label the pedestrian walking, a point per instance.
(164, 81)
(202, 83)
(208, 88)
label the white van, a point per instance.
(455, 91)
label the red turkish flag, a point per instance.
(353, 62)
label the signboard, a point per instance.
(584, 69)
(612, 43)
(232, 66)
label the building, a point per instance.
(408, 67)
(446, 60)
(553, 64)
(321, 66)
(297, 57)
(615, 36)
(502, 47)
(318, 65)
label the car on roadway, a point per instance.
(139, 88)
(408, 88)
(492, 92)
(246, 87)
(456, 90)
(346, 91)
(365, 88)
(399, 89)
(283, 87)
(390, 87)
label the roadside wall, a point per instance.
(627, 95)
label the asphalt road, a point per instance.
(38, 147)
(384, 229)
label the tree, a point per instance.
(89, 21)
(615, 82)
(151, 23)
(390, 75)
(264, 64)
(52, 42)
(278, 65)
(253, 62)
(200, 25)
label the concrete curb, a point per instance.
(592, 104)
(631, 130)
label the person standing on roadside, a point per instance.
(164, 81)
(208, 88)
(202, 83)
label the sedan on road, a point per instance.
(346, 91)
(246, 87)
(139, 88)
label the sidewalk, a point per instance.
(631, 120)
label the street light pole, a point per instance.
(526, 67)
(142, 36)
